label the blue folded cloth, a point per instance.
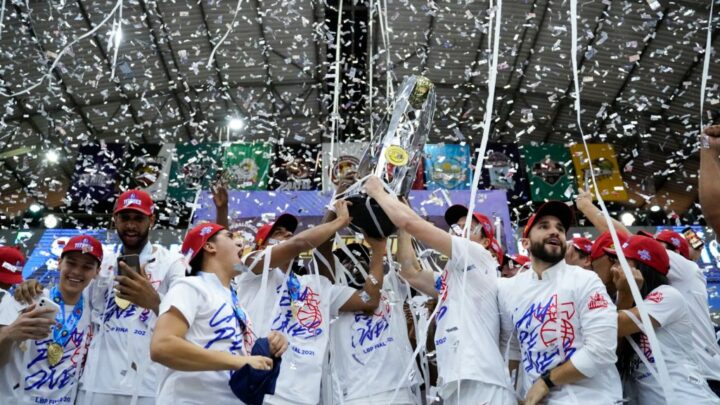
(251, 385)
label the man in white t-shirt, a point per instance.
(371, 352)
(578, 252)
(559, 321)
(470, 367)
(42, 352)
(299, 306)
(11, 264)
(124, 306)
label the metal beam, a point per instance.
(521, 80)
(599, 125)
(25, 17)
(188, 118)
(556, 113)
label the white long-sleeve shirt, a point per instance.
(571, 305)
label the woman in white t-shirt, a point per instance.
(43, 347)
(203, 333)
(669, 316)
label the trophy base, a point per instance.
(362, 218)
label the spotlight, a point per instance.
(52, 156)
(627, 218)
(51, 221)
(35, 208)
(655, 208)
(236, 124)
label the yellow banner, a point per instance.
(607, 171)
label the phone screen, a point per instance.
(693, 238)
(133, 261)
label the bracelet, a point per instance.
(546, 377)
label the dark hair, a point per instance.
(652, 280)
(196, 262)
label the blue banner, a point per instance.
(447, 166)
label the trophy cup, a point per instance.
(394, 154)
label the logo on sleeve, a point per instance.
(655, 297)
(597, 301)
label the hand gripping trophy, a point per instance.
(394, 155)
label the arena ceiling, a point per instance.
(640, 69)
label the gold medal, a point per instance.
(121, 302)
(396, 155)
(55, 354)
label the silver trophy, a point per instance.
(395, 154)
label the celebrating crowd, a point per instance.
(137, 324)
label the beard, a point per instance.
(137, 241)
(539, 251)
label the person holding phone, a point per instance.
(125, 299)
(44, 345)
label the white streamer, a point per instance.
(335, 117)
(706, 65)
(115, 38)
(48, 75)
(663, 377)
(222, 39)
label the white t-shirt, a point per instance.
(121, 350)
(208, 308)
(530, 311)
(6, 300)
(28, 365)
(686, 277)
(371, 352)
(308, 335)
(466, 336)
(666, 305)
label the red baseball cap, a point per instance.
(557, 208)
(287, 221)
(136, 200)
(196, 239)
(604, 241)
(675, 239)
(645, 250)
(583, 244)
(84, 244)
(519, 259)
(457, 211)
(495, 247)
(11, 263)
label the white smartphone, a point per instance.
(44, 302)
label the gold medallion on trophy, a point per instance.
(396, 155)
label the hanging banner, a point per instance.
(504, 171)
(246, 165)
(148, 168)
(607, 171)
(447, 166)
(193, 168)
(295, 167)
(96, 175)
(346, 157)
(550, 171)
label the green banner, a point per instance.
(246, 165)
(551, 173)
(193, 169)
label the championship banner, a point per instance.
(503, 171)
(296, 167)
(550, 171)
(193, 169)
(246, 165)
(148, 168)
(346, 157)
(96, 175)
(607, 171)
(447, 166)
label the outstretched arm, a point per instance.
(220, 198)
(406, 219)
(410, 269)
(709, 186)
(306, 240)
(368, 299)
(584, 202)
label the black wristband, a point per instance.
(546, 377)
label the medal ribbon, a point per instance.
(293, 286)
(67, 323)
(245, 324)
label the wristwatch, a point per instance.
(546, 377)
